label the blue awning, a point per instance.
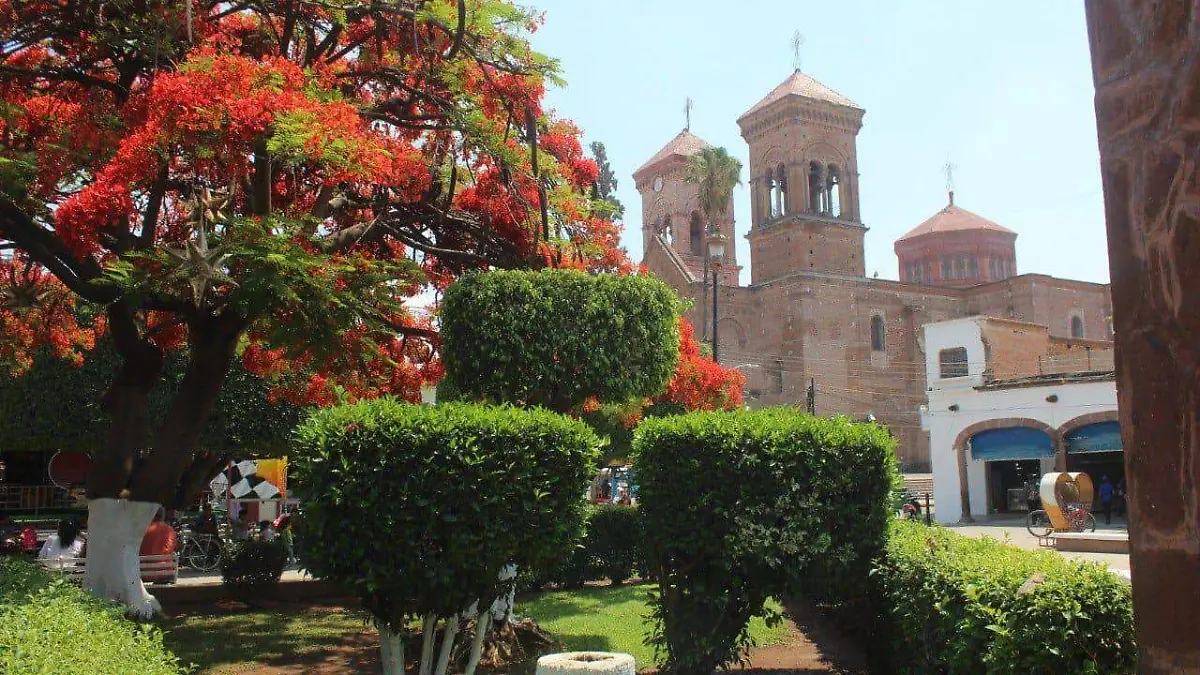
(1011, 443)
(1100, 437)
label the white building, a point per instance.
(1005, 403)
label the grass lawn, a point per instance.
(612, 620)
(603, 618)
(230, 643)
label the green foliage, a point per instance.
(609, 546)
(557, 337)
(738, 507)
(56, 406)
(955, 604)
(49, 626)
(614, 541)
(253, 566)
(609, 422)
(716, 172)
(417, 509)
(606, 182)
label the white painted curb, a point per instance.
(586, 663)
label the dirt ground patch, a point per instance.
(290, 638)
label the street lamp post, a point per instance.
(716, 254)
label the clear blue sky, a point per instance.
(1003, 88)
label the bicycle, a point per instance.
(201, 552)
(1078, 519)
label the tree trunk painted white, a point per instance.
(115, 530)
(427, 645)
(482, 625)
(391, 650)
(448, 636)
(503, 606)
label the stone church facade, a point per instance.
(810, 315)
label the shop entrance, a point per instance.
(1008, 482)
(1012, 458)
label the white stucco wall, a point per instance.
(975, 406)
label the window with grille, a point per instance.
(953, 362)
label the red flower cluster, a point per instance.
(699, 382)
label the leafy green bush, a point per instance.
(252, 566)
(417, 509)
(955, 604)
(49, 626)
(742, 506)
(608, 547)
(614, 541)
(557, 337)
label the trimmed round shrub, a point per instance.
(417, 509)
(738, 507)
(50, 626)
(252, 566)
(554, 338)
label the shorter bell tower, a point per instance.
(671, 215)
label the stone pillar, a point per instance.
(964, 485)
(1146, 67)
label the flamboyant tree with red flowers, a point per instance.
(272, 181)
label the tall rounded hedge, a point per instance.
(557, 337)
(738, 507)
(417, 509)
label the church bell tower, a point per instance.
(804, 181)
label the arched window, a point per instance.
(781, 190)
(974, 266)
(833, 189)
(878, 334)
(665, 230)
(816, 191)
(1077, 326)
(696, 234)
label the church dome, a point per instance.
(684, 145)
(957, 248)
(954, 219)
(803, 86)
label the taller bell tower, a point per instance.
(804, 181)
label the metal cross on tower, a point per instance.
(687, 112)
(948, 169)
(797, 45)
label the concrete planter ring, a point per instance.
(586, 663)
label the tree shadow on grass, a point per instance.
(263, 637)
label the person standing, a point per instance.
(1106, 499)
(206, 522)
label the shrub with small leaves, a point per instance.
(417, 509)
(614, 541)
(555, 338)
(738, 507)
(955, 604)
(253, 566)
(49, 626)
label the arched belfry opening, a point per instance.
(816, 191)
(833, 189)
(696, 235)
(781, 191)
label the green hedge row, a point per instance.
(49, 626)
(954, 604)
(610, 546)
(739, 507)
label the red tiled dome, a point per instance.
(954, 219)
(799, 84)
(684, 145)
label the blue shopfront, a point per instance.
(1096, 449)
(1014, 459)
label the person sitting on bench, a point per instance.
(66, 543)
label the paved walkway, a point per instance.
(1013, 530)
